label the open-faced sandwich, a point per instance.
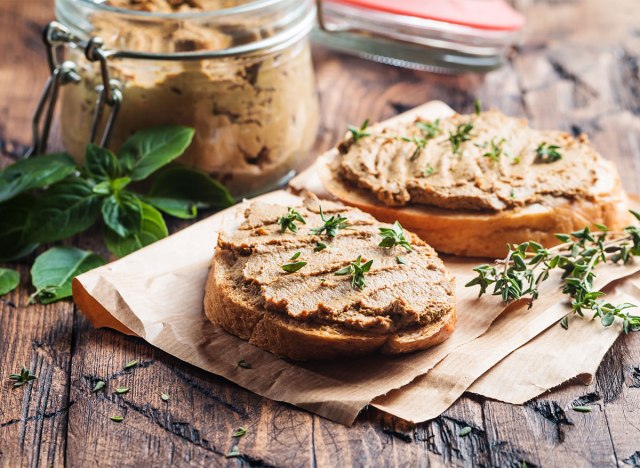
(470, 184)
(323, 280)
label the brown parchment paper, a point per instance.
(557, 355)
(431, 394)
(157, 293)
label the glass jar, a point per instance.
(239, 72)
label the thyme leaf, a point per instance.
(495, 151)
(131, 364)
(244, 364)
(99, 386)
(292, 267)
(477, 106)
(462, 134)
(22, 378)
(319, 246)
(359, 133)
(357, 269)
(429, 170)
(547, 153)
(331, 225)
(240, 432)
(289, 220)
(429, 129)
(394, 236)
(420, 144)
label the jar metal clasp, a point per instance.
(56, 36)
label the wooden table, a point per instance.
(576, 69)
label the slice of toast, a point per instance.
(477, 233)
(382, 317)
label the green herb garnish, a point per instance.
(131, 364)
(98, 386)
(49, 198)
(582, 409)
(244, 364)
(165, 396)
(564, 322)
(117, 419)
(420, 144)
(288, 221)
(295, 255)
(357, 269)
(9, 280)
(319, 246)
(358, 133)
(400, 260)
(331, 225)
(394, 236)
(22, 378)
(529, 264)
(495, 151)
(233, 453)
(462, 134)
(292, 267)
(53, 271)
(240, 432)
(547, 153)
(122, 390)
(429, 129)
(429, 171)
(465, 431)
(477, 106)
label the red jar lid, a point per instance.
(481, 14)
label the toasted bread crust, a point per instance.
(474, 234)
(288, 338)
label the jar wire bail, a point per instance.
(56, 36)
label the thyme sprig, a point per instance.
(289, 220)
(429, 129)
(529, 264)
(357, 269)
(429, 170)
(547, 153)
(420, 143)
(331, 225)
(22, 378)
(462, 134)
(358, 133)
(394, 236)
(495, 151)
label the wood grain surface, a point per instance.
(576, 68)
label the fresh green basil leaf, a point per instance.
(53, 271)
(103, 188)
(64, 210)
(148, 150)
(16, 225)
(118, 184)
(122, 213)
(182, 209)
(187, 184)
(34, 172)
(101, 163)
(153, 228)
(9, 280)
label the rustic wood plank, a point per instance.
(33, 417)
(565, 74)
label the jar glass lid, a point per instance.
(436, 35)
